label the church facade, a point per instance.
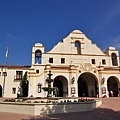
(79, 69)
(78, 66)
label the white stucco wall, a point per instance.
(10, 81)
(65, 49)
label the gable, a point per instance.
(67, 46)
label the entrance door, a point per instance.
(87, 85)
(82, 87)
(0, 91)
(61, 83)
(112, 87)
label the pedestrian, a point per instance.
(18, 93)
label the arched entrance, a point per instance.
(87, 85)
(62, 84)
(112, 84)
(0, 91)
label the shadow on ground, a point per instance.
(96, 114)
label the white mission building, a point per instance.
(78, 66)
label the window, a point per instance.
(103, 62)
(37, 71)
(78, 46)
(4, 73)
(50, 60)
(13, 90)
(93, 61)
(38, 55)
(114, 59)
(62, 60)
(19, 74)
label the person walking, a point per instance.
(18, 93)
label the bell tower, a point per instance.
(37, 51)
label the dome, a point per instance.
(76, 31)
(38, 44)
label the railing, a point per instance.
(18, 77)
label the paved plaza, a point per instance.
(109, 110)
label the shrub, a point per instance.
(10, 100)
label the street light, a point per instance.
(4, 75)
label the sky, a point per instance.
(26, 22)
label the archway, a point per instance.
(112, 84)
(87, 85)
(62, 84)
(38, 55)
(78, 46)
(0, 91)
(114, 59)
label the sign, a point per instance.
(73, 90)
(103, 90)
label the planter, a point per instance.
(47, 108)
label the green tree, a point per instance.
(24, 85)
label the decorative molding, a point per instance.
(87, 67)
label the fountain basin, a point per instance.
(39, 108)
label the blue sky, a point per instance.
(25, 22)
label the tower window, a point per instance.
(50, 60)
(93, 61)
(38, 55)
(62, 60)
(114, 59)
(78, 46)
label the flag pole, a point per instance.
(5, 73)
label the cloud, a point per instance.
(114, 42)
(11, 36)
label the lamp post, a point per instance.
(4, 75)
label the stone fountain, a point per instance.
(49, 105)
(49, 89)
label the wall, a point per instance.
(37, 109)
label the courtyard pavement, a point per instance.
(109, 110)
